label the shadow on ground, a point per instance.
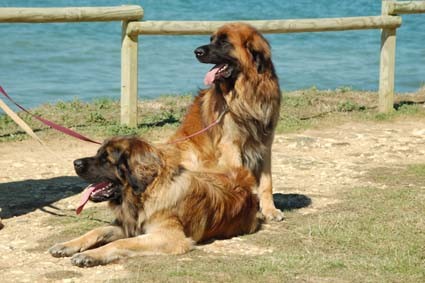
(17, 198)
(290, 201)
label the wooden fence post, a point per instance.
(129, 77)
(387, 64)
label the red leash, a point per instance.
(218, 120)
(55, 126)
(74, 134)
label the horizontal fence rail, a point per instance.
(411, 7)
(269, 26)
(70, 14)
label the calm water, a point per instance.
(42, 63)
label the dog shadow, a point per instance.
(287, 202)
(22, 197)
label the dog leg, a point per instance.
(96, 237)
(265, 192)
(155, 242)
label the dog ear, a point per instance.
(260, 51)
(139, 169)
(125, 173)
(260, 62)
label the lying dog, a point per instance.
(160, 207)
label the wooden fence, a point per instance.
(132, 27)
(71, 14)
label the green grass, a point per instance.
(100, 118)
(373, 234)
(304, 109)
(71, 225)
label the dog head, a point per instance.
(120, 163)
(234, 49)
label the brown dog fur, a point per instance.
(162, 207)
(252, 100)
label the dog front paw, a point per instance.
(85, 260)
(61, 250)
(273, 214)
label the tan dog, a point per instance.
(160, 206)
(245, 89)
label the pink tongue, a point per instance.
(86, 195)
(210, 76)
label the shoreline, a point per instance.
(341, 89)
(159, 117)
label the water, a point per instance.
(42, 63)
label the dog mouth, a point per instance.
(218, 72)
(99, 192)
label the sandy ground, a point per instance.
(315, 165)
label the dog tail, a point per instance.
(243, 178)
(244, 197)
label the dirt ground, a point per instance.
(36, 183)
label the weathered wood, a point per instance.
(387, 70)
(410, 7)
(21, 123)
(70, 14)
(387, 65)
(129, 77)
(266, 26)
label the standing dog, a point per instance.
(244, 93)
(160, 206)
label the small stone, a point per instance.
(340, 144)
(185, 259)
(419, 132)
(17, 165)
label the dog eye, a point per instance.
(103, 158)
(222, 43)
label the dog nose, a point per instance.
(199, 52)
(79, 165)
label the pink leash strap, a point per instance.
(55, 126)
(179, 140)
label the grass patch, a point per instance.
(313, 108)
(70, 225)
(61, 274)
(101, 118)
(304, 109)
(412, 175)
